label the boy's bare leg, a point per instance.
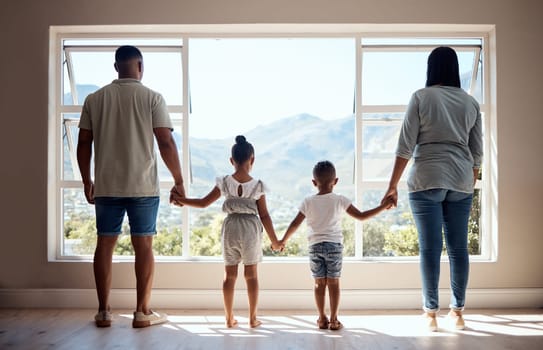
(228, 284)
(144, 267)
(334, 292)
(102, 269)
(320, 293)
(251, 278)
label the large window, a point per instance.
(87, 65)
(298, 99)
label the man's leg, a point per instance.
(145, 269)
(102, 269)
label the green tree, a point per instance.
(373, 238)
(403, 242)
(205, 240)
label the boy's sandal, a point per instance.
(335, 325)
(323, 323)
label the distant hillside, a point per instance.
(83, 91)
(286, 151)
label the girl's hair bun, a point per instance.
(240, 139)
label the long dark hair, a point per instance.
(443, 68)
(242, 150)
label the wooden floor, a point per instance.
(73, 329)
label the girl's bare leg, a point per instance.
(228, 284)
(251, 278)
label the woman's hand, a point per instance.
(391, 195)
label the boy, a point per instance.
(323, 212)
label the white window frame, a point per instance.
(488, 184)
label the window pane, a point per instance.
(391, 77)
(163, 172)
(70, 135)
(79, 234)
(292, 99)
(163, 73)
(94, 69)
(91, 71)
(393, 232)
(379, 142)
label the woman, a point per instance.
(442, 132)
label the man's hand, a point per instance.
(89, 192)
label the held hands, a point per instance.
(278, 246)
(390, 198)
(387, 203)
(177, 194)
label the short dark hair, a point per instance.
(443, 68)
(242, 150)
(126, 53)
(324, 171)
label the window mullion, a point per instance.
(186, 150)
(358, 230)
(476, 58)
(71, 76)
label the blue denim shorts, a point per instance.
(325, 259)
(142, 213)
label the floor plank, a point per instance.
(195, 329)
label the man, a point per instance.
(121, 119)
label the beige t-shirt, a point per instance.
(122, 116)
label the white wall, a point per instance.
(24, 38)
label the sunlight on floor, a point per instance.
(394, 325)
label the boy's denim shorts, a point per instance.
(325, 259)
(142, 213)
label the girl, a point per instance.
(242, 228)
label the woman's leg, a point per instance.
(428, 215)
(251, 278)
(456, 211)
(228, 284)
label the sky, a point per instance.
(239, 84)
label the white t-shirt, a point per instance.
(323, 214)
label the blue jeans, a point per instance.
(438, 213)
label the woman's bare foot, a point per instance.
(231, 323)
(255, 323)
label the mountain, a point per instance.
(83, 90)
(287, 150)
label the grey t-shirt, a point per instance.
(442, 132)
(122, 116)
